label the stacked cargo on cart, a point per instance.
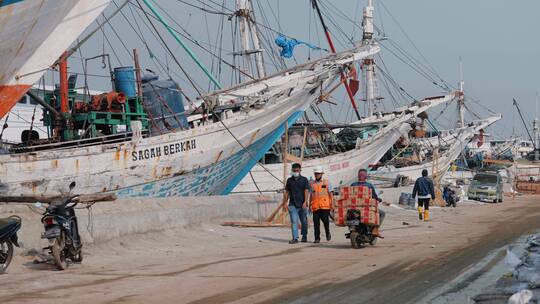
(357, 198)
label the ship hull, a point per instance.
(340, 169)
(203, 161)
(440, 165)
(217, 179)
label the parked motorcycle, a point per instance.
(8, 237)
(450, 196)
(62, 231)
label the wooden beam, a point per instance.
(84, 198)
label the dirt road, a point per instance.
(213, 264)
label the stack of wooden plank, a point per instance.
(357, 198)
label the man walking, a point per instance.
(362, 181)
(425, 190)
(321, 202)
(296, 192)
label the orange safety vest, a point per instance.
(320, 195)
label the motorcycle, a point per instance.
(360, 233)
(8, 237)
(62, 231)
(450, 196)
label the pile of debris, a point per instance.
(522, 285)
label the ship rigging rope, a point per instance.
(245, 149)
(130, 54)
(4, 126)
(254, 182)
(345, 40)
(187, 36)
(401, 91)
(232, 12)
(215, 12)
(417, 69)
(213, 113)
(155, 60)
(386, 78)
(82, 41)
(113, 49)
(170, 51)
(422, 69)
(267, 36)
(421, 66)
(427, 64)
(411, 41)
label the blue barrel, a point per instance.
(124, 81)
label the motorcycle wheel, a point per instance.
(78, 257)
(354, 240)
(373, 241)
(6, 254)
(58, 252)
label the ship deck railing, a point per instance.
(78, 143)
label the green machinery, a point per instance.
(103, 115)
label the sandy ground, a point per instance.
(215, 264)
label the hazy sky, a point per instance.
(497, 41)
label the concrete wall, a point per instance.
(110, 220)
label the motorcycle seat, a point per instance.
(8, 226)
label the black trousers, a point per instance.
(324, 216)
(423, 202)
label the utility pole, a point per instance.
(248, 29)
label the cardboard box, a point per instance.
(355, 192)
(357, 198)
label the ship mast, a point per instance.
(536, 132)
(461, 99)
(248, 30)
(333, 49)
(369, 63)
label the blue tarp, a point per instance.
(287, 45)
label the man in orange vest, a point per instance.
(321, 202)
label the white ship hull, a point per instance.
(443, 162)
(205, 160)
(341, 169)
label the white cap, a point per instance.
(318, 169)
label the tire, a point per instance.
(373, 242)
(5, 257)
(58, 252)
(354, 240)
(79, 257)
